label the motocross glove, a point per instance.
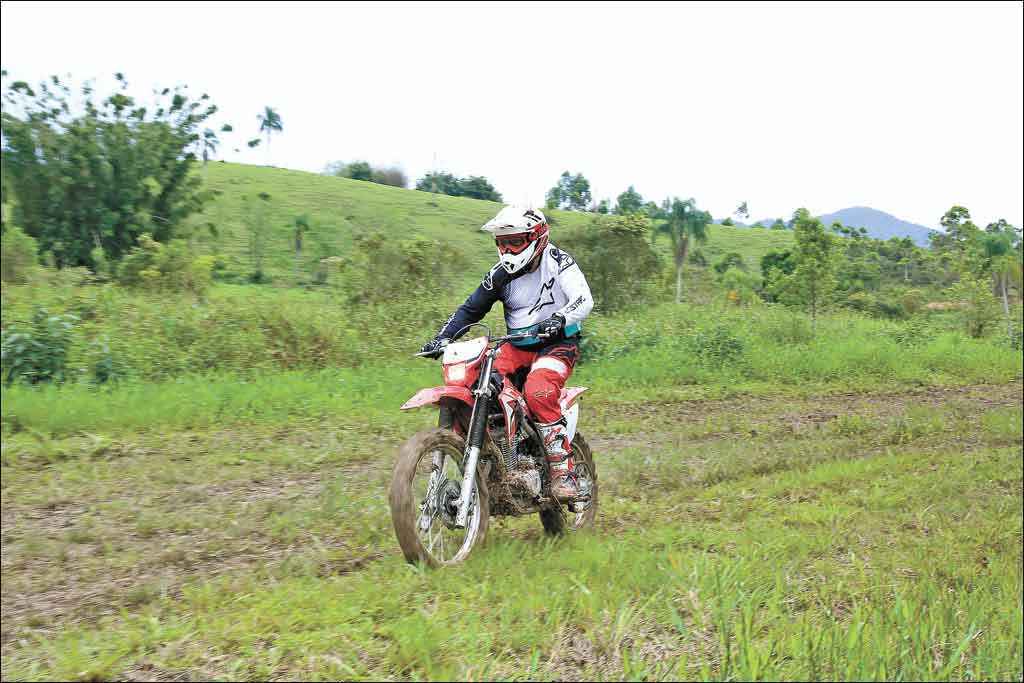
(552, 327)
(435, 347)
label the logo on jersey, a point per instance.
(545, 288)
(563, 260)
(488, 282)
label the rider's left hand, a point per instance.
(553, 327)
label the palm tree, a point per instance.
(208, 145)
(1004, 259)
(270, 122)
(682, 220)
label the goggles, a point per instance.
(513, 244)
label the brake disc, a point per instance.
(448, 502)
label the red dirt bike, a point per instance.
(485, 458)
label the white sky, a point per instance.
(906, 108)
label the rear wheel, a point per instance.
(558, 520)
(425, 490)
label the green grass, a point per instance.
(886, 545)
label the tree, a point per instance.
(390, 175)
(478, 187)
(959, 231)
(742, 211)
(813, 279)
(629, 202)
(439, 182)
(777, 261)
(270, 122)
(362, 170)
(208, 143)
(615, 252)
(682, 221)
(978, 308)
(572, 193)
(90, 173)
(727, 222)
(603, 207)
(779, 224)
(1001, 247)
(475, 187)
(359, 170)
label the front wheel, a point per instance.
(557, 520)
(425, 491)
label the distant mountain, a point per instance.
(879, 224)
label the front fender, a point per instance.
(433, 395)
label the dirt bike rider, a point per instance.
(543, 292)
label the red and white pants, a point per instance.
(550, 367)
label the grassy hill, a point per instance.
(341, 208)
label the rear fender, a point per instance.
(569, 397)
(433, 396)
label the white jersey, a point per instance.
(556, 286)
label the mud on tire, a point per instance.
(404, 506)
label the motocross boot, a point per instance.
(560, 462)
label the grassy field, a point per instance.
(842, 536)
(775, 503)
(341, 208)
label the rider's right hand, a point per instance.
(435, 347)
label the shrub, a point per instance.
(1016, 336)
(383, 269)
(978, 307)
(616, 255)
(39, 353)
(912, 301)
(100, 264)
(862, 302)
(888, 308)
(730, 260)
(717, 346)
(917, 331)
(19, 255)
(786, 327)
(169, 267)
(740, 286)
(696, 258)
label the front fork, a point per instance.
(475, 441)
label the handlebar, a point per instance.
(497, 341)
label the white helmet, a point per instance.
(520, 234)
